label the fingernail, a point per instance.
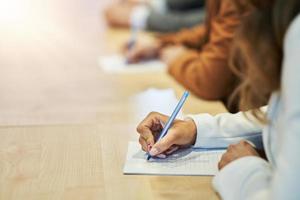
(149, 147)
(161, 156)
(153, 151)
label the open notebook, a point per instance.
(185, 162)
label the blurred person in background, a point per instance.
(156, 15)
(198, 57)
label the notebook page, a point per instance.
(185, 162)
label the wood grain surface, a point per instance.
(65, 124)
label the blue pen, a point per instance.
(172, 118)
(132, 40)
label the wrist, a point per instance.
(192, 129)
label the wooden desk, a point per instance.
(84, 160)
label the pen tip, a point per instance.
(148, 157)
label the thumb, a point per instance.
(162, 145)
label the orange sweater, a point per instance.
(204, 68)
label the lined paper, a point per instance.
(184, 162)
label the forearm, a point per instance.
(194, 37)
(224, 129)
(206, 74)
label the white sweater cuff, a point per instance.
(243, 179)
(204, 124)
(210, 134)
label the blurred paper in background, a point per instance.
(117, 64)
(158, 100)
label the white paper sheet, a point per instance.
(185, 162)
(117, 64)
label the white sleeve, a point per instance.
(139, 16)
(159, 5)
(286, 178)
(246, 178)
(252, 178)
(223, 129)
